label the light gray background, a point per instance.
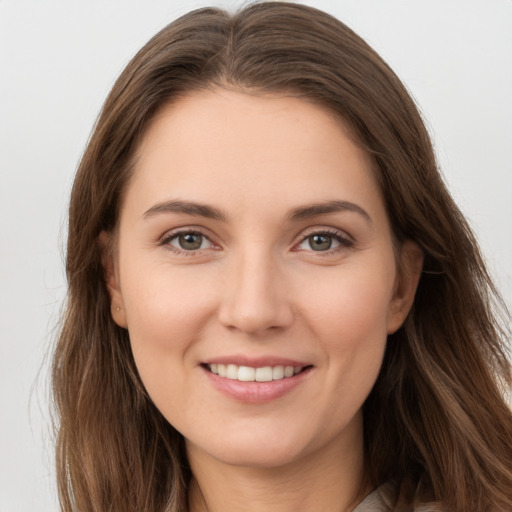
(58, 60)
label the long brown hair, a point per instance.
(436, 421)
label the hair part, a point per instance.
(436, 422)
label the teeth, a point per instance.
(245, 373)
(278, 372)
(263, 374)
(248, 374)
(232, 371)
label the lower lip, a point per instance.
(256, 392)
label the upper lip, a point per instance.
(255, 362)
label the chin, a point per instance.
(253, 450)
(258, 458)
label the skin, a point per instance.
(256, 287)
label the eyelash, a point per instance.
(166, 241)
(345, 242)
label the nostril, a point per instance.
(255, 317)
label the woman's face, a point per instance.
(255, 272)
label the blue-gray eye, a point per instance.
(320, 242)
(189, 241)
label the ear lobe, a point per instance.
(409, 273)
(111, 279)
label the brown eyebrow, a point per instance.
(328, 207)
(187, 207)
(303, 212)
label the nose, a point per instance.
(255, 299)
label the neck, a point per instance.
(329, 480)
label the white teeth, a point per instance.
(232, 371)
(278, 372)
(263, 374)
(246, 373)
(288, 371)
(249, 374)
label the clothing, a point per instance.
(377, 501)
(382, 499)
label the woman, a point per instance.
(274, 303)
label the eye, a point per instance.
(187, 241)
(324, 241)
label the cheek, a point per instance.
(166, 314)
(351, 303)
(349, 322)
(166, 311)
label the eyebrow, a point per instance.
(209, 212)
(190, 208)
(314, 210)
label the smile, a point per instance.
(250, 374)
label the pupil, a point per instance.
(320, 242)
(190, 241)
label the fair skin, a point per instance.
(220, 259)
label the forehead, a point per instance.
(235, 147)
(263, 121)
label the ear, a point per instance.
(408, 276)
(111, 278)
